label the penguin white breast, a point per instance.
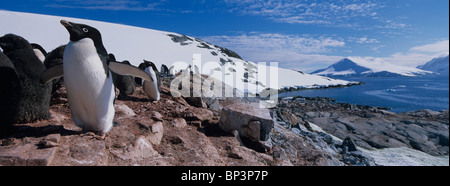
(39, 54)
(151, 88)
(90, 91)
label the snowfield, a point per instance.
(136, 44)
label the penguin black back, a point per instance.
(11, 92)
(35, 100)
(150, 64)
(55, 58)
(164, 71)
(142, 66)
(125, 84)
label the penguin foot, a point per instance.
(88, 133)
(100, 136)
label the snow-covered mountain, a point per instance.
(135, 44)
(438, 65)
(368, 67)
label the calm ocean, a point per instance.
(402, 94)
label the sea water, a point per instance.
(402, 94)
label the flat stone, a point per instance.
(53, 138)
(26, 155)
(124, 110)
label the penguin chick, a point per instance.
(35, 97)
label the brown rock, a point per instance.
(53, 138)
(156, 116)
(250, 156)
(47, 144)
(26, 155)
(294, 120)
(198, 114)
(84, 151)
(179, 123)
(157, 132)
(196, 102)
(239, 116)
(124, 111)
(252, 130)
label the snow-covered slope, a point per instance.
(367, 66)
(135, 44)
(438, 65)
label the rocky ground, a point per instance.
(373, 127)
(167, 132)
(372, 135)
(178, 132)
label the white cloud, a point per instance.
(439, 47)
(115, 5)
(339, 13)
(365, 40)
(269, 41)
(419, 55)
(291, 51)
(307, 53)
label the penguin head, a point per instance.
(150, 64)
(80, 31)
(11, 42)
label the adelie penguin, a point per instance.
(10, 94)
(148, 86)
(35, 97)
(88, 79)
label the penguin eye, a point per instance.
(85, 30)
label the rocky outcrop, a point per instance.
(373, 127)
(248, 119)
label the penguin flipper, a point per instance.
(52, 73)
(128, 70)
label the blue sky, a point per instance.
(299, 34)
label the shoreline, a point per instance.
(294, 89)
(369, 127)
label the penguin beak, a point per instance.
(66, 23)
(72, 28)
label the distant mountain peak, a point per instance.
(368, 66)
(438, 65)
